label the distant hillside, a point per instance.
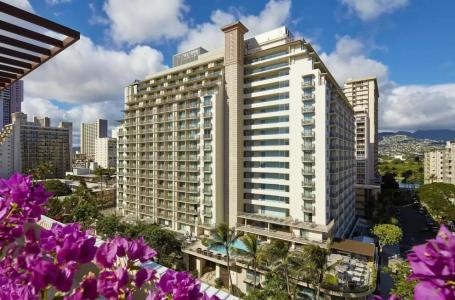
(435, 134)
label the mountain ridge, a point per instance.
(432, 134)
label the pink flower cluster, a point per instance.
(433, 265)
(48, 262)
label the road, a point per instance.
(415, 232)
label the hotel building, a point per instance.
(90, 132)
(24, 145)
(106, 152)
(363, 94)
(10, 101)
(258, 135)
(439, 164)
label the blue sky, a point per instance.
(409, 45)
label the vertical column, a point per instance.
(233, 61)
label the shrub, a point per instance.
(218, 283)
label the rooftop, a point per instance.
(355, 247)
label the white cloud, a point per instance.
(371, 9)
(95, 17)
(209, 36)
(401, 107)
(348, 60)
(23, 4)
(412, 107)
(86, 72)
(145, 20)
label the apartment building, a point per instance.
(257, 134)
(10, 101)
(90, 132)
(363, 94)
(106, 152)
(24, 145)
(439, 164)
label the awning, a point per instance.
(354, 247)
(27, 41)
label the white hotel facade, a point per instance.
(258, 135)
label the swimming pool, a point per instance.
(220, 249)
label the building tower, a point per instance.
(363, 94)
(257, 134)
(10, 101)
(89, 133)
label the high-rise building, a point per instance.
(10, 101)
(106, 152)
(363, 94)
(90, 132)
(258, 135)
(439, 164)
(25, 145)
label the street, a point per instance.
(415, 232)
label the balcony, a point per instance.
(306, 97)
(308, 109)
(308, 134)
(308, 209)
(308, 184)
(207, 136)
(308, 196)
(307, 159)
(308, 147)
(307, 84)
(308, 122)
(308, 172)
(207, 115)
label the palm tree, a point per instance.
(277, 257)
(316, 264)
(252, 245)
(225, 237)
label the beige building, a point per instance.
(439, 164)
(363, 94)
(256, 134)
(24, 145)
(106, 152)
(90, 132)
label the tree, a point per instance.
(316, 264)
(225, 237)
(388, 181)
(57, 187)
(274, 289)
(406, 175)
(387, 234)
(437, 198)
(402, 286)
(55, 209)
(252, 244)
(165, 242)
(109, 226)
(42, 171)
(277, 257)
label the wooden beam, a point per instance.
(21, 31)
(8, 75)
(11, 69)
(18, 54)
(15, 62)
(37, 20)
(24, 45)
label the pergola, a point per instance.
(27, 41)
